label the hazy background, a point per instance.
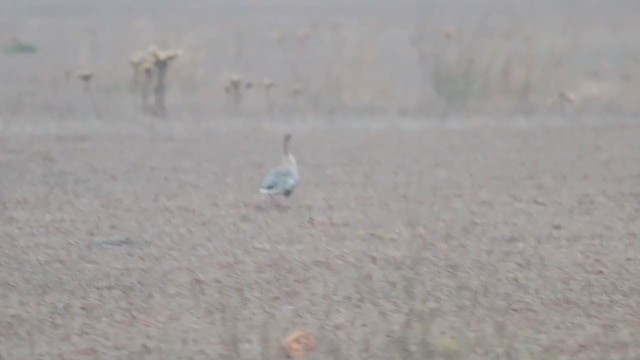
(469, 180)
(364, 57)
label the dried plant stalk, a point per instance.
(160, 61)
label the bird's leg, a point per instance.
(276, 203)
(273, 200)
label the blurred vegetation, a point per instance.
(19, 47)
(498, 60)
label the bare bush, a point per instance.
(236, 89)
(161, 60)
(85, 76)
(268, 85)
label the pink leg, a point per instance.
(274, 200)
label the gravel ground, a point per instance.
(403, 241)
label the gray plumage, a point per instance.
(279, 181)
(284, 178)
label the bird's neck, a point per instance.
(291, 162)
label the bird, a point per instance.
(282, 179)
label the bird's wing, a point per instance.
(278, 179)
(289, 184)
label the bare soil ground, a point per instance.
(141, 241)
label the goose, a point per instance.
(282, 179)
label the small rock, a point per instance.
(298, 345)
(116, 242)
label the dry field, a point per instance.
(404, 240)
(470, 179)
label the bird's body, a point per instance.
(279, 181)
(284, 178)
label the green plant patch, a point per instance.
(19, 47)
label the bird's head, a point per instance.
(285, 143)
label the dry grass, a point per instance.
(479, 243)
(500, 61)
